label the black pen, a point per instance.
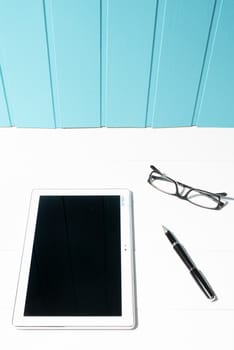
(197, 275)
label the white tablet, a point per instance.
(77, 265)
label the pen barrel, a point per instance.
(184, 256)
(203, 284)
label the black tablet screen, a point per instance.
(76, 260)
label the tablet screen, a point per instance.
(75, 266)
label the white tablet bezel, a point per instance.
(127, 320)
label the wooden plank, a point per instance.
(74, 46)
(128, 30)
(25, 63)
(180, 44)
(4, 109)
(216, 103)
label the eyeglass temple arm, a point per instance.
(155, 169)
(222, 194)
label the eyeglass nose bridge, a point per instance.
(182, 190)
(183, 194)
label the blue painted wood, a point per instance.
(25, 63)
(180, 45)
(128, 29)
(134, 63)
(74, 47)
(216, 104)
(4, 110)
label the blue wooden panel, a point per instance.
(116, 63)
(25, 63)
(4, 110)
(217, 96)
(180, 44)
(74, 46)
(128, 30)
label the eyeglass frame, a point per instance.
(217, 196)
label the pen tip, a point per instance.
(165, 229)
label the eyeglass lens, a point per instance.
(197, 197)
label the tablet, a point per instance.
(77, 265)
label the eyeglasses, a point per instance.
(195, 196)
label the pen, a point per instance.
(197, 275)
